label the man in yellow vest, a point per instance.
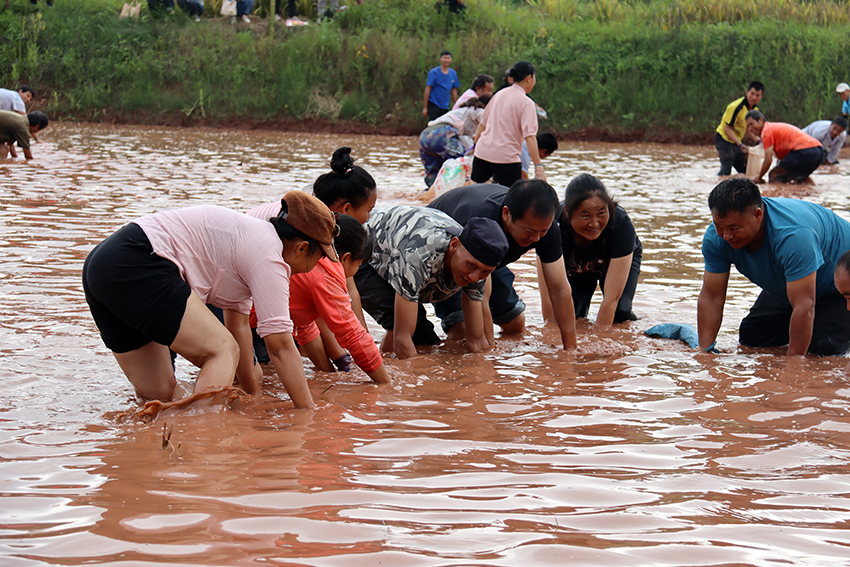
(730, 134)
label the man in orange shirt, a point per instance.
(799, 154)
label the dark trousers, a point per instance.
(502, 173)
(584, 286)
(730, 155)
(435, 111)
(377, 297)
(799, 164)
(766, 325)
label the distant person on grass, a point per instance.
(17, 129)
(440, 88)
(481, 85)
(787, 247)
(730, 136)
(830, 134)
(799, 153)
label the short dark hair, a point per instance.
(841, 121)
(38, 118)
(26, 89)
(480, 81)
(531, 194)
(755, 115)
(737, 194)
(584, 187)
(352, 238)
(547, 141)
(445, 52)
(757, 85)
(345, 181)
(843, 262)
(521, 70)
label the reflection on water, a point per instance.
(632, 451)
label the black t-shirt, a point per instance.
(488, 200)
(617, 240)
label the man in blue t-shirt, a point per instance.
(441, 88)
(787, 247)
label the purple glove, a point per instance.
(343, 363)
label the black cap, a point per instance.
(485, 240)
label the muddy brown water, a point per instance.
(632, 451)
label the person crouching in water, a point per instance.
(148, 284)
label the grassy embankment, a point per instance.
(624, 70)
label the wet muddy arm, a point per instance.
(561, 296)
(545, 303)
(801, 295)
(246, 370)
(315, 351)
(473, 319)
(406, 313)
(710, 304)
(615, 283)
(765, 165)
(356, 306)
(287, 363)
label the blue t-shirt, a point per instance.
(799, 238)
(845, 108)
(441, 86)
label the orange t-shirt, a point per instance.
(785, 138)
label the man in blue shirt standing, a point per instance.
(789, 248)
(441, 88)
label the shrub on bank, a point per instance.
(603, 64)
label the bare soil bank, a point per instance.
(179, 119)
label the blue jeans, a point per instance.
(192, 7)
(244, 7)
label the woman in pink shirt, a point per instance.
(509, 119)
(148, 283)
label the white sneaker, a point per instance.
(197, 18)
(246, 19)
(232, 19)
(277, 18)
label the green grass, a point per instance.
(618, 66)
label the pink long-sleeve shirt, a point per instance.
(323, 292)
(227, 258)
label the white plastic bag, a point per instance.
(755, 157)
(228, 7)
(454, 173)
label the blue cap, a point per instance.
(485, 240)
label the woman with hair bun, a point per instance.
(601, 248)
(509, 119)
(347, 189)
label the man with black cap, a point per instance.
(527, 214)
(422, 255)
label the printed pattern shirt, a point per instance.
(409, 247)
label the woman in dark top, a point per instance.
(600, 247)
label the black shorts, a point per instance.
(135, 296)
